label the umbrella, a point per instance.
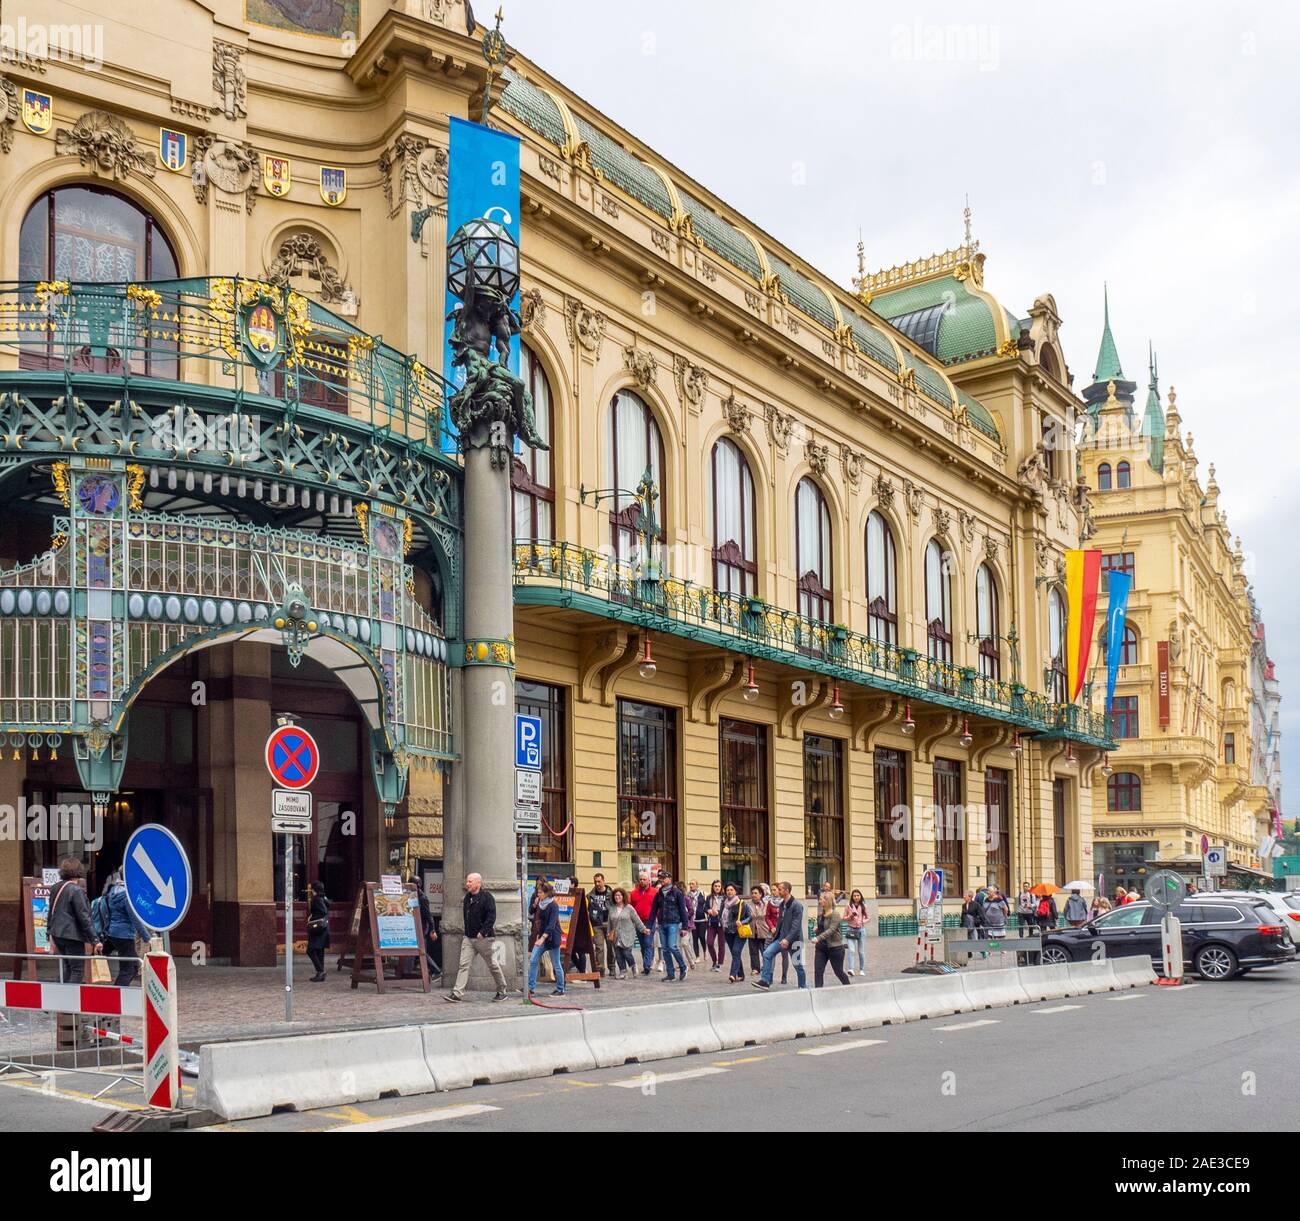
(1079, 886)
(1044, 888)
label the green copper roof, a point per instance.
(624, 170)
(949, 321)
(928, 380)
(804, 295)
(1153, 423)
(979, 416)
(1108, 367)
(720, 237)
(872, 342)
(533, 108)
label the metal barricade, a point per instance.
(972, 941)
(58, 1023)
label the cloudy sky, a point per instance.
(1149, 145)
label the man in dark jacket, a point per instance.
(480, 915)
(70, 927)
(598, 901)
(789, 936)
(668, 911)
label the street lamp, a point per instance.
(647, 667)
(966, 738)
(836, 710)
(908, 726)
(750, 691)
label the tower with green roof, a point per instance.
(1153, 422)
(1108, 369)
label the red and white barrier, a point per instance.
(100, 1000)
(162, 1083)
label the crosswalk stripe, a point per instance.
(831, 1048)
(408, 1121)
(970, 1025)
(636, 1083)
(1056, 1009)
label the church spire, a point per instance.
(1108, 367)
(1108, 370)
(1153, 422)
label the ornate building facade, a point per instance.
(1186, 715)
(788, 577)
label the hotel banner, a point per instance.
(1120, 583)
(482, 180)
(1082, 574)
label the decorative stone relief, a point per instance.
(301, 254)
(885, 492)
(8, 113)
(855, 465)
(400, 166)
(915, 497)
(990, 548)
(229, 165)
(586, 326)
(967, 521)
(1042, 553)
(105, 144)
(532, 309)
(431, 168)
(779, 427)
(661, 240)
(692, 381)
(549, 166)
(942, 520)
(736, 413)
(641, 364)
(228, 79)
(708, 271)
(817, 454)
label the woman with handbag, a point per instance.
(318, 929)
(70, 925)
(755, 917)
(729, 920)
(117, 927)
(714, 939)
(856, 915)
(828, 940)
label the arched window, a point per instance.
(986, 623)
(1124, 792)
(938, 603)
(735, 569)
(812, 549)
(1123, 476)
(882, 581)
(530, 472)
(93, 235)
(1056, 625)
(1103, 477)
(1129, 653)
(633, 450)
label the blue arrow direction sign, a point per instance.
(156, 871)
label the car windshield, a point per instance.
(1293, 902)
(1128, 915)
(1264, 913)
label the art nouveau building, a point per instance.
(791, 563)
(1184, 716)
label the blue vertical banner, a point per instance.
(482, 181)
(1120, 583)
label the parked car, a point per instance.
(1285, 906)
(1222, 937)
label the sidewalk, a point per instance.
(221, 1003)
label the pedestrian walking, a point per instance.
(546, 938)
(855, 914)
(428, 931)
(70, 925)
(993, 915)
(729, 920)
(1026, 910)
(318, 929)
(699, 902)
(598, 908)
(1121, 896)
(667, 913)
(828, 940)
(117, 927)
(1076, 910)
(972, 918)
(625, 929)
(479, 918)
(715, 938)
(773, 923)
(754, 916)
(789, 938)
(642, 898)
(1047, 914)
(1100, 906)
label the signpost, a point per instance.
(929, 916)
(293, 760)
(1166, 889)
(528, 815)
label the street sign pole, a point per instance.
(523, 914)
(288, 928)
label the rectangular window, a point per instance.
(742, 802)
(1230, 748)
(892, 875)
(647, 788)
(1058, 829)
(823, 825)
(949, 826)
(997, 805)
(540, 700)
(1124, 716)
(1121, 561)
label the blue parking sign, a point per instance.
(528, 742)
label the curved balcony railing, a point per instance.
(214, 331)
(751, 626)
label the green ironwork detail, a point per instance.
(490, 652)
(564, 574)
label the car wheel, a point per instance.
(1215, 962)
(1055, 955)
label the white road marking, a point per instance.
(63, 1097)
(638, 1082)
(1176, 987)
(831, 1048)
(970, 1025)
(1129, 996)
(1056, 1009)
(407, 1121)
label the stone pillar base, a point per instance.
(510, 948)
(244, 933)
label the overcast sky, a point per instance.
(1150, 145)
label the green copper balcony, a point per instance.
(563, 574)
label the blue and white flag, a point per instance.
(482, 181)
(1120, 583)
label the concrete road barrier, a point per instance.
(1133, 972)
(989, 989)
(928, 996)
(636, 1034)
(766, 1017)
(1047, 983)
(458, 1054)
(241, 1080)
(1097, 975)
(856, 1007)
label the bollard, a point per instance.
(161, 1058)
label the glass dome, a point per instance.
(488, 248)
